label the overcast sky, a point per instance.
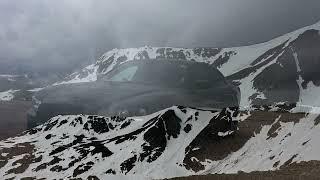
(62, 34)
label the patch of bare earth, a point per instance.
(295, 171)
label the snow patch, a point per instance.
(35, 89)
(8, 76)
(7, 95)
(310, 96)
(4, 154)
(227, 133)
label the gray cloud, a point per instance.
(62, 34)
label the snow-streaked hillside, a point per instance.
(266, 72)
(269, 138)
(174, 142)
(81, 146)
(289, 138)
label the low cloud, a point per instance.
(59, 34)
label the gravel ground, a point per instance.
(295, 171)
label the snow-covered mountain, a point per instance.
(83, 146)
(177, 141)
(285, 69)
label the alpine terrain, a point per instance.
(275, 131)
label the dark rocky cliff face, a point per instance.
(278, 81)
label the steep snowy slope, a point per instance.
(282, 139)
(284, 69)
(278, 144)
(81, 146)
(269, 138)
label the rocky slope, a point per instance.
(89, 147)
(175, 142)
(284, 69)
(272, 143)
(269, 140)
